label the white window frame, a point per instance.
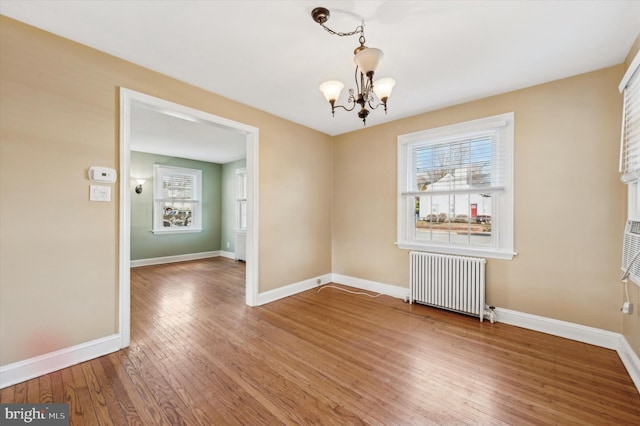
(159, 172)
(630, 144)
(630, 154)
(502, 232)
(241, 200)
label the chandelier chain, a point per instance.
(359, 30)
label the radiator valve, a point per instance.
(489, 313)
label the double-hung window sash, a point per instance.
(177, 199)
(630, 138)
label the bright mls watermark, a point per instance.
(34, 414)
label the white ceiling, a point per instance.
(272, 56)
(180, 135)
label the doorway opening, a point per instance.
(129, 100)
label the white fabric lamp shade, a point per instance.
(331, 89)
(368, 59)
(383, 87)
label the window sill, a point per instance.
(176, 231)
(458, 251)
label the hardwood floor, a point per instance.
(198, 355)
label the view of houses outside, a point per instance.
(176, 215)
(457, 211)
(177, 197)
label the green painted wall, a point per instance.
(228, 204)
(144, 243)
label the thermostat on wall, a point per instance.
(102, 174)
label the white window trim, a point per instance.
(158, 171)
(503, 247)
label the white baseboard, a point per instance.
(292, 289)
(630, 360)
(227, 254)
(21, 371)
(176, 258)
(568, 330)
(376, 287)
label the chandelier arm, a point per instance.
(375, 107)
(345, 108)
(384, 104)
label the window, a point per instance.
(630, 141)
(455, 189)
(177, 196)
(241, 199)
(630, 163)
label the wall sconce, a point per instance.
(139, 187)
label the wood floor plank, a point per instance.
(33, 390)
(20, 394)
(46, 394)
(57, 387)
(200, 356)
(72, 398)
(96, 395)
(101, 383)
(138, 391)
(7, 395)
(86, 412)
(127, 408)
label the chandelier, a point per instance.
(366, 60)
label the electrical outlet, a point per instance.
(627, 308)
(228, 244)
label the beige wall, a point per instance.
(59, 252)
(569, 201)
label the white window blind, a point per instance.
(177, 187)
(471, 163)
(630, 141)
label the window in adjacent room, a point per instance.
(177, 195)
(241, 199)
(455, 189)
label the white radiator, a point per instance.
(450, 282)
(241, 245)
